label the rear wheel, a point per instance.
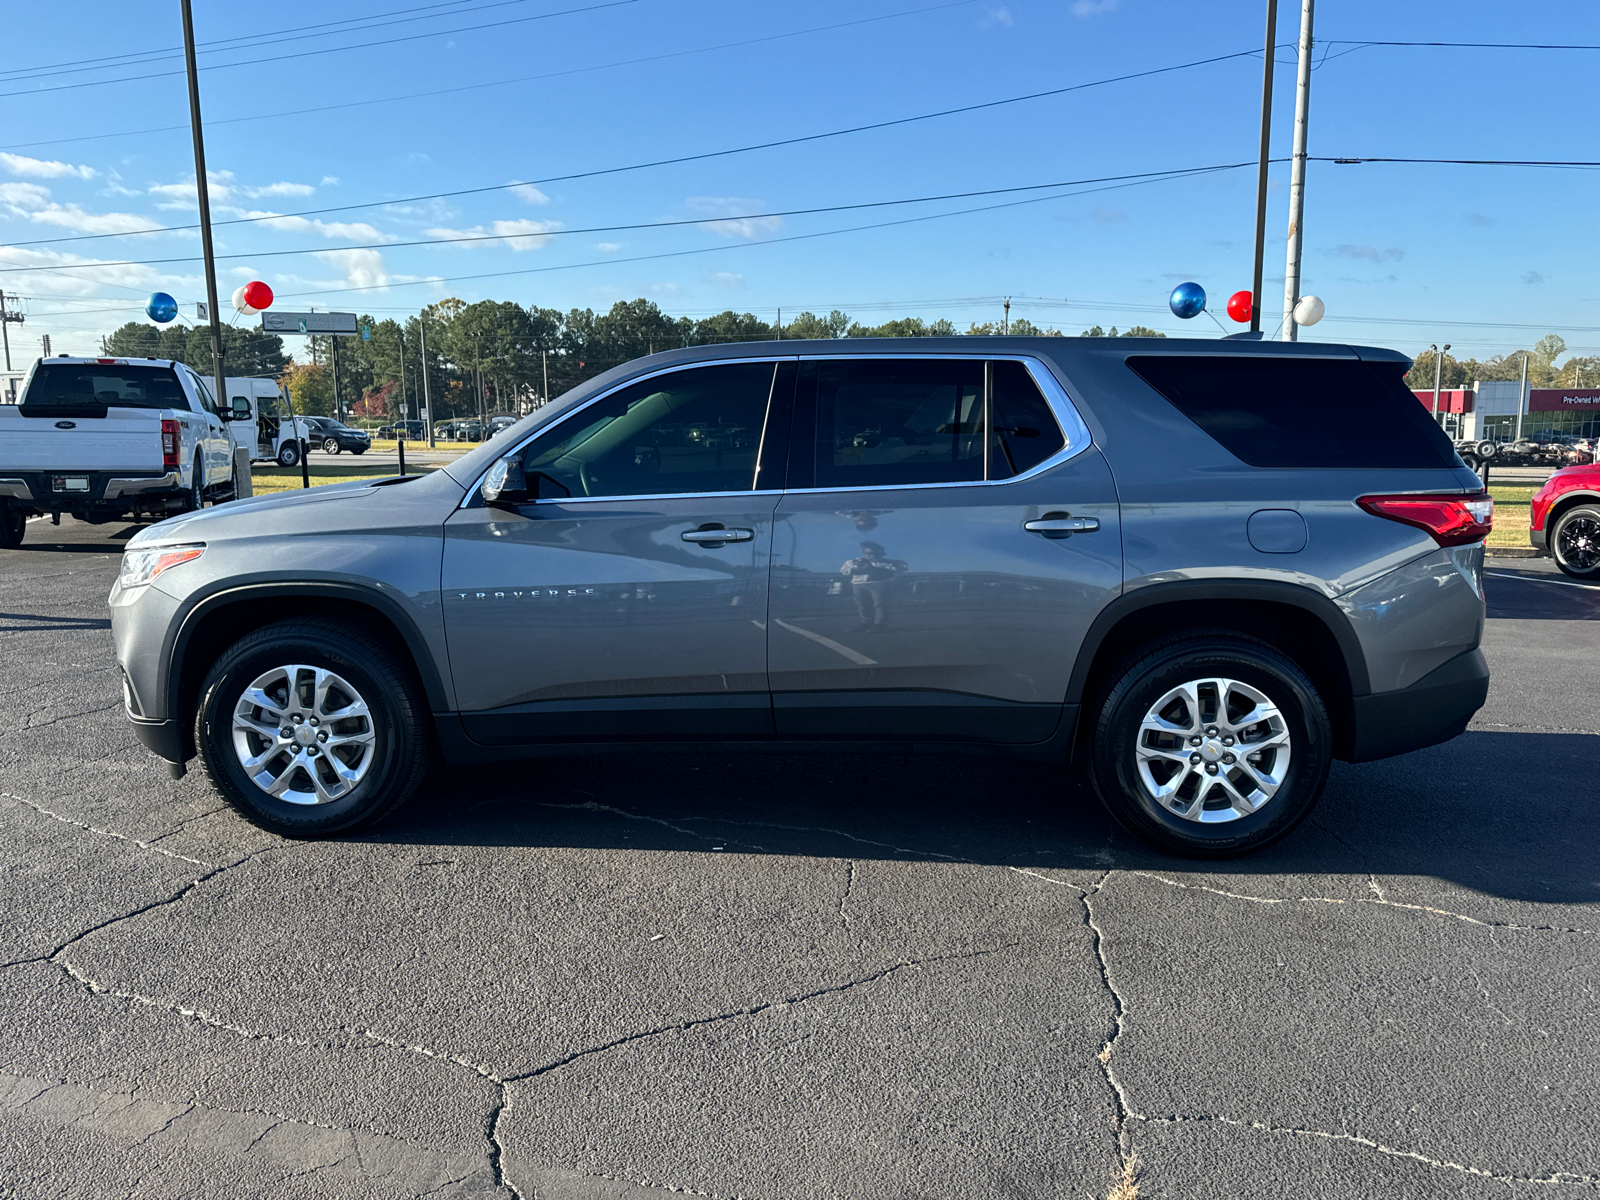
(289, 454)
(310, 728)
(1210, 745)
(13, 524)
(196, 498)
(1575, 542)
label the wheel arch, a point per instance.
(221, 618)
(1559, 506)
(1305, 625)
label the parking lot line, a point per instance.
(1588, 587)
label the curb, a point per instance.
(1512, 552)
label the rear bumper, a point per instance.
(1434, 709)
(106, 491)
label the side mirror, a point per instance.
(239, 412)
(507, 485)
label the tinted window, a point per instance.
(81, 385)
(203, 390)
(697, 430)
(1023, 430)
(887, 421)
(1301, 412)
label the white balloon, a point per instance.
(239, 304)
(1308, 310)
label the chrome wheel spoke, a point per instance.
(321, 713)
(1213, 750)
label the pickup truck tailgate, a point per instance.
(118, 441)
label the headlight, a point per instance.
(139, 567)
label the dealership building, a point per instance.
(1488, 409)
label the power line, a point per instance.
(279, 58)
(1462, 45)
(1463, 162)
(627, 62)
(711, 220)
(292, 33)
(666, 162)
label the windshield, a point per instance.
(96, 385)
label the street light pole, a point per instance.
(202, 191)
(1261, 171)
(1438, 372)
(1522, 396)
(427, 397)
(1297, 175)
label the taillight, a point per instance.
(1452, 520)
(169, 443)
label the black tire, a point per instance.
(1472, 461)
(385, 681)
(289, 454)
(1575, 542)
(1487, 449)
(360, 452)
(196, 498)
(13, 524)
(330, 445)
(1157, 668)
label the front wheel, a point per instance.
(311, 728)
(1210, 745)
(1575, 542)
(13, 524)
(289, 454)
(330, 445)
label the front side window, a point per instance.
(883, 422)
(206, 402)
(696, 430)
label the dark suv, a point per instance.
(334, 436)
(1149, 562)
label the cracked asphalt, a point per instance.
(914, 979)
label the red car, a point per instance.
(1566, 520)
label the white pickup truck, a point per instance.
(105, 439)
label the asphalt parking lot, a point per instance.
(812, 976)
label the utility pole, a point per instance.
(1438, 371)
(780, 324)
(1522, 396)
(338, 408)
(405, 408)
(1005, 322)
(1297, 175)
(44, 344)
(7, 319)
(427, 397)
(1261, 170)
(544, 366)
(203, 193)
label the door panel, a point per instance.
(596, 620)
(929, 612)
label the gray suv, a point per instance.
(1167, 565)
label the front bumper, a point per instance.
(1539, 540)
(1434, 709)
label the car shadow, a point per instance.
(1507, 814)
(1538, 596)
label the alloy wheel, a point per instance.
(1213, 750)
(1578, 542)
(303, 735)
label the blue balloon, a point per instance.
(1188, 300)
(161, 308)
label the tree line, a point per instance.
(1543, 372)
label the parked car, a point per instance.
(262, 421)
(334, 436)
(1140, 561)
(1565, 520)
(459, 431)
(104, 439)
(413, 431)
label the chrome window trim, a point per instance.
(1073, 428)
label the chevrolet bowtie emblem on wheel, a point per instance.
(528, 593)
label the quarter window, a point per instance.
(696, 430)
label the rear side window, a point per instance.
(882, 422)
(92, 385)
(1301, 412)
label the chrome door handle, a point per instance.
(719, 535)
(1061, 525)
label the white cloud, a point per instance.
(608, 247)
(997, 16)
(222, 187)
(1369, 253)
(353, 230)
(105, 274)
(279, 189)
(521, 234)
(1093, 8)
(527, 192)
(362, 268)
(329, 181)
(728, 279)
(666, 289)
(38, 168)
(744, 227)
(32, 202)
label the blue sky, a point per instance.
(1486, 258)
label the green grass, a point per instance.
(265, 480)
(1512, 514)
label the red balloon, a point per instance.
(259, 296)
(1238, 306)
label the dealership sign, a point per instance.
(1564, 400)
